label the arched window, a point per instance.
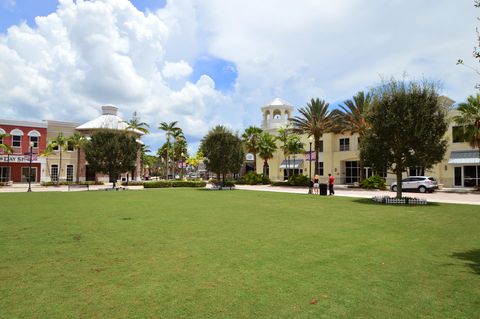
(16, 137)
(1, 138)
(277, 114)
(34, 136)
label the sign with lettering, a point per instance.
(19, 158)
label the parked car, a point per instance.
(421, 183)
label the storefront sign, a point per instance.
(19, 158)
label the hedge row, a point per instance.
(167, 184)
(70, 183)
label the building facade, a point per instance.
(60, 164)
(27, 141)
(339, 155)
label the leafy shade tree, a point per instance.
(60, 143)
(469, 118)
(352, 118)
(266, 147)
(195, 161)
(250, 140)
(223, 151)
(408, 126)
(315, 119)
(77, 141)
(111, 152)
(169, 129)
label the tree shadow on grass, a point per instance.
(473, 258)
(369, 201)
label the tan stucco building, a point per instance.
(339, 155)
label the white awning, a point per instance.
(464, 157)
(292, 164)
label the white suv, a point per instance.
(421, 183)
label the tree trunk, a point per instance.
(255, 162)
(60, 168)
(294, 173)
(265, 165)
(78, 166)
(317, 147)
(399, 183)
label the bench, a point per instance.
(117, 188)
(219, 186)
(78, 186)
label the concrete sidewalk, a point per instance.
(442, 196)
(454, 196)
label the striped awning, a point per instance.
(292, 164)
(464, 157)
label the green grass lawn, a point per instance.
(188, 253)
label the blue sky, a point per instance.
(210, 62)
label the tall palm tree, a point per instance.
(266, 147)
(60, 142)
(178, 138)
(136, 124)
(169, 128)
(250, 139)
(469, 118)
(77, 141)
(315, 119)
(284, 137)
(352, 118)
(295, 146)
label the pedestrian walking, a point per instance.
(316, 184)
(331, 181)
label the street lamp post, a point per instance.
(310, 164)
(30, 169)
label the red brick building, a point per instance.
(16, 165)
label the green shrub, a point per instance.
(133, 183)
(298, 180)
(167, 184)
(373, 182)
(283, 183)
(50, 183)
(252, 178)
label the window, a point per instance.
(352, 172)
(26, 171)
(4, 174)
(55, 147)
(320, 169)
(320, 146)
(416, 171)
(458, 134)
(69, 173)
(344, 144)
(70, 147)
(54, 173)
(34, 140)
(16, 141)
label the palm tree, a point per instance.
(250, 139)
(135, 124)
(7, 149)
(295, 146)
(283, 136)
(266, 147)
(61, 143)
(315, 119)
(352, 118)
(469, 118)
(77, 141)
(169, 128)
(178, 138)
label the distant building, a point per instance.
(23, 135)
(339, 155)
(14, 167)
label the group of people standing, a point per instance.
(315, 184)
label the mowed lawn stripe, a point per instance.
(177, 253)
